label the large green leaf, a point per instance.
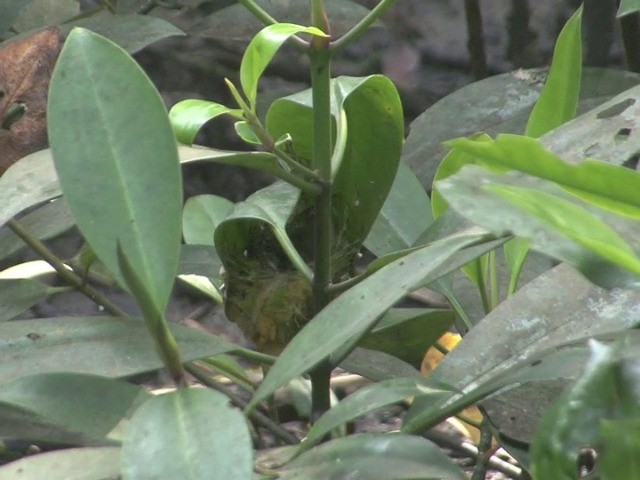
(408, 333)
(349, 316)
(95, 462)
(369, 130)
(130, 32)
(588, 179)
(559, 306)
(608, 390)
(558, 99)
(65, 407)
(30, 181)
(113, 347)
(502, 104)
(603, 246)
(367, 456)
(189, 434)
(113, 124)
(397, 226)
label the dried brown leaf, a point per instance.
(26, 66)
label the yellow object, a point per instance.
(430, 361)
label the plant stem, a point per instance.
(320, 56)
(475, 42)
(258, 12)
(257, 417)
(64, 271)
(485, 451)
(630, 26)
(362, 26)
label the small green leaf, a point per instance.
(45, 222)
(246, 133)
(558, 99)
(18, 295)
(189, 434)
(262, 49)
(30, 181)
(188, 116)
(113, 124)
(201, 216)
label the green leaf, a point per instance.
(628, 6)
(502, 104)
(188, 434)
(397, 227)
(365, 400)
(96, 462)
(590, 180)
(30, 181)
(350, 315)
(39, 13)
(373, 455)
(65, 407)
(369, 136)
(130, 32)
(619, 461)
(602, 246)
(200, 267)
(408, 333)
(47, 221)
(11, 10)
(18, 295)
(201, 216)
(112, 347)
(262, 49)
(377, 366)
(188, 116)
(113, 123)
(558, 99)
(607, 389)
(558, 307)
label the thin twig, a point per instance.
(254, 415)
(64, 271)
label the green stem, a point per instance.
(485, 451)
(362, 26)
(254, 356)
(63, 271)
(320, 56)
(493, 280)
(257, 417)
(267, 19)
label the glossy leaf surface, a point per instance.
(133, 163)
(189, 434)
(113, 347)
